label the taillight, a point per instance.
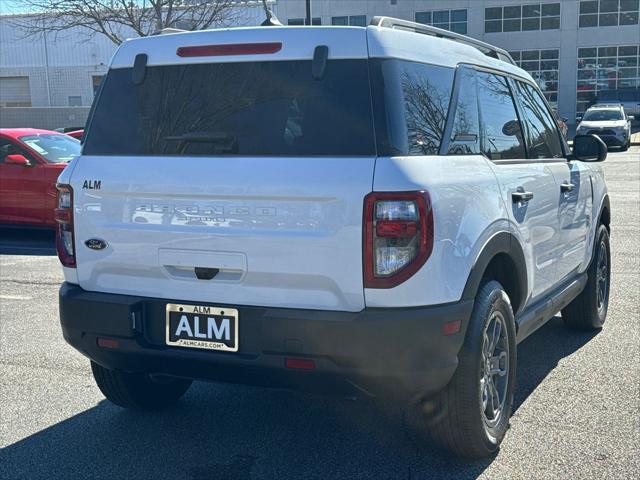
(64, 230)
(398, 236)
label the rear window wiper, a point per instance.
(223, 141)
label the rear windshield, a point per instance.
(251, 108)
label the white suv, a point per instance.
(380, 210)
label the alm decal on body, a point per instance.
(91, 184)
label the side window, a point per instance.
(501, 135)
(543, 140)
(5, 147)
(426, 91)
(411, 102)
(465, 135)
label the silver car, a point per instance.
(609, 122)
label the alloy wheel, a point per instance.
(494, 369)
(602, 279)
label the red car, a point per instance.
(30, 162)
(77, 134)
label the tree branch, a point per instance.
(117, 19)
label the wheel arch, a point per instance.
(500, 259)
(604, 216)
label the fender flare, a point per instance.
(502, 242)
(606, 203)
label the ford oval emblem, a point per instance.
(96, 244)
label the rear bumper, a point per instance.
(372, 352)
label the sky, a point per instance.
(13, 6)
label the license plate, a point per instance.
(199, 326)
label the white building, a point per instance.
(579, 50)
(63, 69)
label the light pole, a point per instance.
(46, 62)
(307, 20)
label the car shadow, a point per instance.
(540, 353)
(234, 433)
(27, 241)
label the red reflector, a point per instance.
(396, 229)
(107, 342)
(300, 363)
(62, 215)
(229, 49)
(450, 328)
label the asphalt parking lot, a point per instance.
(577, 405)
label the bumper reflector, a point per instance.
(108, 342)
(300, 363)
(451, 328)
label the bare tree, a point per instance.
(426, 106)
(117, 19)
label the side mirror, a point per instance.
(631, 117)
(565, 119)
(589, 148)
(579, 118)
(511, 128)
(17, 159)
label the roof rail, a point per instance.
(487, 49)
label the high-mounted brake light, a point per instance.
(64, 231)
(398, 236)
(229, 49)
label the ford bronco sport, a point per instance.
(379, 210)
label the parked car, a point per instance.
(561, 122)
(30, 162)
(609, 122)
(323, 209)
(67, 129)
(77, 134)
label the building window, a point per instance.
(96, 80)
(15, 92)
(542, 65)
(520, 18)
(183, 25)
(453, 20)
(75, 101)
(607, 74)
(300, 21)
(608, 13)
(353, 20)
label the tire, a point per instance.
(138, 391)
(458, 419)
(588, 311)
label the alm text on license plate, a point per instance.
(201, 326)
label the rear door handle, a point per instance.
(567, 187)
(519, 196)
